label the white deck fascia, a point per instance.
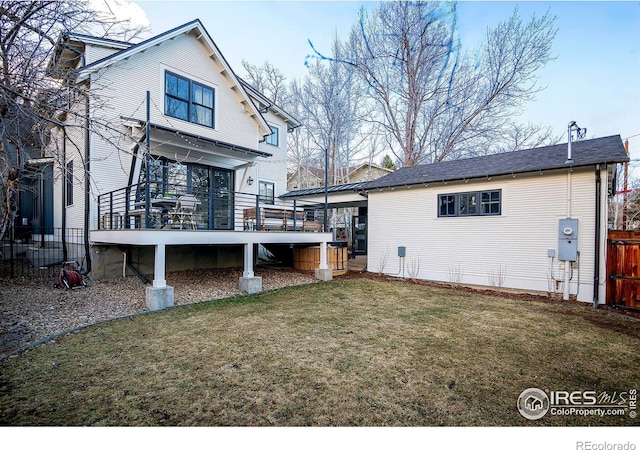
(202, 237)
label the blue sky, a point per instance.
(594, 80)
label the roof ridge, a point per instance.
(602, 150)
(132, 47)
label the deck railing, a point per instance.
(180, 207)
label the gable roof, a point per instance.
(292, 122)
(584, 153)
(371, 165)
(70, 47)
(195, 26)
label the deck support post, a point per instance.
(323, 273)
(159, 296)
(248, 282)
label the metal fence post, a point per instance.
(258, 212)
(11, 251)
(295, 215)
(99, 201)
(110, 212)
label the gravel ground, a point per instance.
(31, 311)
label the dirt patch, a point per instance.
(31, 310)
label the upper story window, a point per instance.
(187, 100)
(272, 139)
(69, 182)
(267, 194)
(481, 203)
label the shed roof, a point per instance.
(584, 153)
(320, 190)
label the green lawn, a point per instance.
(355, 351)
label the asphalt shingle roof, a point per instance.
(584, 153)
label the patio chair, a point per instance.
(183, 215)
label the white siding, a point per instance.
(74, 152)
(121, 89)
(94, 53)
(127, 81)
(274, 168)
(517, 240)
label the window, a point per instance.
(447, 205)
(187, 100)
(272, 139)
(69, 183)
(466, 204)
(267, 192)
(491, 202)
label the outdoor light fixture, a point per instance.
(249, 181)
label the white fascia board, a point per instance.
(97, 41)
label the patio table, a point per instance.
(166, 205)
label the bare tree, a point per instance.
(633, 207)
(302, 153)
(331, 103)
(624, 205)
(433, 102)
(29, 98)
(269, 80)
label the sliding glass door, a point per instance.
(222, 199)
(212, 187)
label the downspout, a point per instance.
(596, 266)
(64, 194)
(87, 184)
(147, 189)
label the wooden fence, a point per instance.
(623, 268)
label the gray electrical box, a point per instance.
(568, 240)
(402, 252)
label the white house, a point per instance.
(500, 220)
(185, 160)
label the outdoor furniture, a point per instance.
(111, 221)
(165, 206)
(311, 225)
(139, 214)
(183, 215)
(273, 218)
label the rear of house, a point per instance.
(499, 220)
(170, 158)
(207, 127)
